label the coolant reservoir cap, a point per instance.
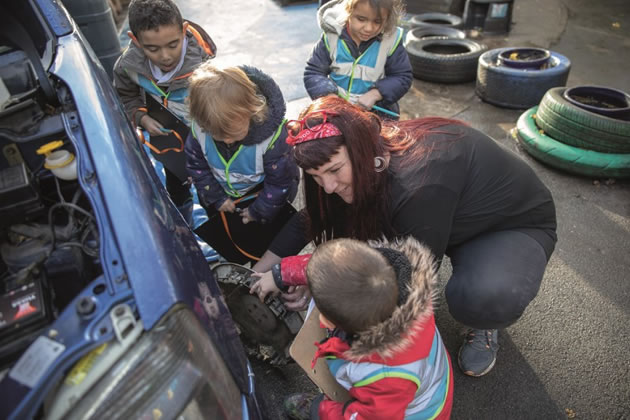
(49, 147)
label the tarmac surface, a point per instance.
(567, 357)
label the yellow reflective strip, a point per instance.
(233, 192)
(326, 41)
(398, 39)
(391, 374)
(159, 90)
(354, 65)
(276, 134)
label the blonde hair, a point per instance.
(220, 99)
(395, 9)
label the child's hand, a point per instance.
(264, 286)
(369, 98)
(228, 206)
(246, 216)
(152, 126)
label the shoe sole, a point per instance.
(470, 372)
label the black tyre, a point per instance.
(438, 19)
(578, 127)
(444, 60)
(566, 157)
(509, 87)
(433, 31)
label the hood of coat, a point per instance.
(397, 334)
(134, 60)
(259, 132)
(332, 16)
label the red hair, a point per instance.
(365, 137)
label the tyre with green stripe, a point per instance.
(579, 127)
(566, 157)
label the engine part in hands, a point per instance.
(267, 324)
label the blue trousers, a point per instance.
(495, 276)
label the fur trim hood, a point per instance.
(267, 87)
(397, 334)
(332, 16)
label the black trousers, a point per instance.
(253, 238)
(495, 276)
(179, 192)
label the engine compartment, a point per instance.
(49, 238)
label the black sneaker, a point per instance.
(479, 352)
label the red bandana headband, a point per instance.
(307, 134)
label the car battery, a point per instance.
(19, 196)
(24, 310)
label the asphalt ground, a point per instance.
(567, 357)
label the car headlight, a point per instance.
(172, 371)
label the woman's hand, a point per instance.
(264, 285)
(297, 298)
(228, 206)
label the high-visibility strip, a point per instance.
(448, 383)
(389, 373)
(227, 164)
(326, 41)
(399, 33)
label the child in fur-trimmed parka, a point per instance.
(360, 55)
(376, 302)
(238, 143)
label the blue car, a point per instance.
(108, 308)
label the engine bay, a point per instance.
(49, 239)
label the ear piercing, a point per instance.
(380, 164)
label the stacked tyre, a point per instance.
(519, 77)
(568, 132)
(439, 52)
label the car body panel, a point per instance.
(150, 258)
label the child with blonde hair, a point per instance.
(237, 150)
(360, 55)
